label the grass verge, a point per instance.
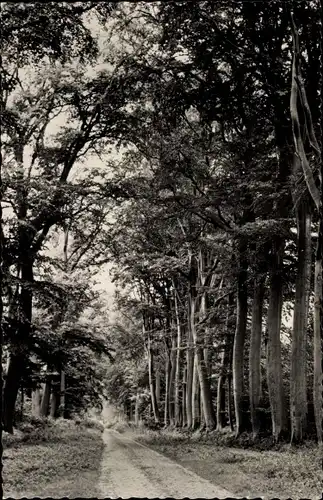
(52, 459)
(279, 472)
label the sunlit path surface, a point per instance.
(133, 470)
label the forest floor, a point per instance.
(284, 472)
(60, 459)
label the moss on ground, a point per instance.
(54, 459)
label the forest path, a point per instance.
(129, 469)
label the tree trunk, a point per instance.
(178, 363)
(239, 342)
(230, 401)
(54, 402)
(35, 402)
(18, 355)
(274, 365)
(318, 336)
(195, 397)
(184, 414)
(11, 389)
(158, 385)
(167, 378)
(298, 392)
(137, 410)
(151, 382)
(44, 407)
(189, 372)
(226, 360)
(62, 404)
(172, 382)
(255, 354)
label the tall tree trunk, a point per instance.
(230, 400)
(151, 381)
(11, 389)
(178, 362)
(298, 392)
(255, 354)
(62, 404)
(318, 335)
(239, 342)
(158, 385)
(35, 402)
(167, 378)
(190, 367)
(44, 407)
(137, 409)
(226, 360)
(172, 382)
(196, 397)
(54, 402)
(18, 354)
(274, 365)
(184, 413)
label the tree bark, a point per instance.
(35, 402)
(190, 368)
(318, 336)
(54, 402)
(178, 363)
(167, 378)
(11, 389)
(62, 405)
(184, 414)
(239, 342)
(44, 407)
(196, 419)
(274, 365)
(137, 410)
(151, 381)
(158, 385)
(226, 360)
(255, 354)
(298, 393)
(172, 382)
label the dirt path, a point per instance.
(130, 469)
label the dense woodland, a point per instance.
(178, 143)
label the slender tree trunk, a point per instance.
(35, 402)
(178, 362)
(167, 378)
(190, 368)
(137, 409)
(195, 397)
(318, 336)
(230, 400)
(54, 402)
(239, 342)
(184, 414)
(151, 381)
(274, 365)
(298, 392)
(158, 385)
(226, 360)
(62, 405)
(44, 407)
(255, 354)
(172, 382)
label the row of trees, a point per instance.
(227, 230)
(211, 212)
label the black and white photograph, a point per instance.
(161, 248)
